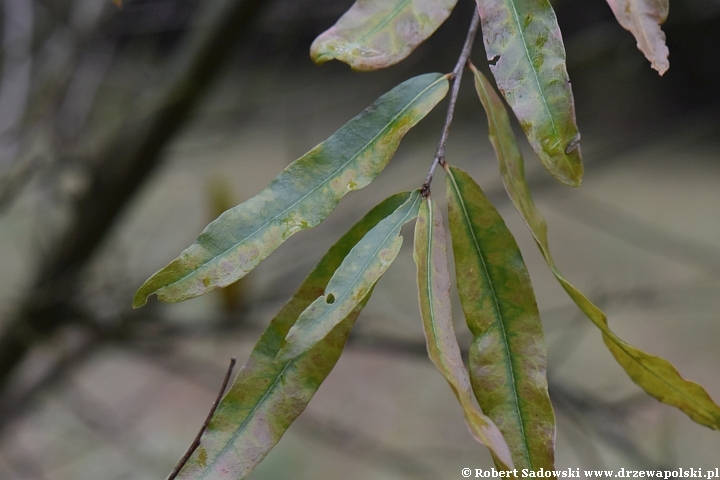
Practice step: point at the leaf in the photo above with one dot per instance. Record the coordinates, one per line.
(524, 46)
(300, 197)
(434, 290)
(357, 274)
(375, 34)
(655, 375)
(268, 395)
(643, 19)
(507, 356)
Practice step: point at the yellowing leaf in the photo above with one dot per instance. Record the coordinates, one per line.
(299, 198)
(655, 375)
(643, 19)
(354, 278)
(434, 291)
(375, 34)
(508, 365)
(267, 395)
(524, 46)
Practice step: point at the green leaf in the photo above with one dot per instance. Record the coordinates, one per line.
(268, 395)
(299, 198)
(507, 356)
(525, 48)
(375, 34)
(434, 290)
(654, 374)
(357, 274)
(643, 19)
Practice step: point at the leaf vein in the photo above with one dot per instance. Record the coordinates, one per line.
(384, 22)
(325, 181)
(517, 407)
(521, 33)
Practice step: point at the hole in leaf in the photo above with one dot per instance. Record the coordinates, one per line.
(330, 298)
(494, 60)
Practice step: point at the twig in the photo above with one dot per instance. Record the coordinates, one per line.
(196, 442)
(457, 76)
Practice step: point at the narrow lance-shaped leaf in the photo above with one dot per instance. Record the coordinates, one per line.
(654, 374)
(375, 34)
(434, 291)
(507, 356)
(357, 274)
(527, 56)
(300, 197)
(268, 395)
(643, 19)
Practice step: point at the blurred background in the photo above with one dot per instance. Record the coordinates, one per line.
(124, 131)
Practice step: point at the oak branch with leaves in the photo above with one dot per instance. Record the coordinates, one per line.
(506, 371)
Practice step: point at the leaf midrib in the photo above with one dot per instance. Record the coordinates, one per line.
(431, 297)
(245, 422)
(394, 230)
(384, 22)
(622, 345)
(271, 386)
(639, 25)
(428, 281)
(540, 90)
(333, 175)
(518, 410)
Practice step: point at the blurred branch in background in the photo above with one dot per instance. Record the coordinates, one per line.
(114, 177)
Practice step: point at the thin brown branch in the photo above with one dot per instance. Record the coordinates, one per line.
(457, 78)
(196, 442)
